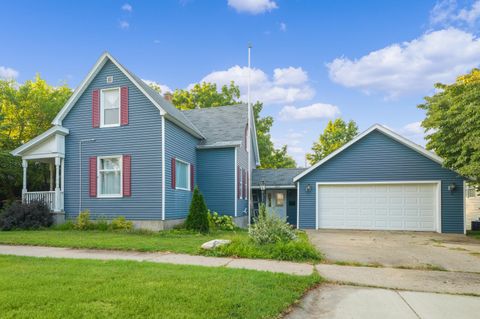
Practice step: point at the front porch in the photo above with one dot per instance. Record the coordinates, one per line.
(48, 149)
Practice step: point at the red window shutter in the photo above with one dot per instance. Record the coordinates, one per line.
(239, 178)
(192, 177)
(174, 183)
(93, 176)
(244, 184)
(124, 105)
(96, 108)
(127, 173)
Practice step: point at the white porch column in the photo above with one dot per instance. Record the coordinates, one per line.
(24, 188)
(57, 185)
(51, 176)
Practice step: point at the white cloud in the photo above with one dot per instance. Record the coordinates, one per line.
(447, 13)
(8, 73)
(124, 25)
(253, 6)
(290, 75)
(410, 67)
(414, 128)
(164, 88)
(127, 7)
(283, 26)
(314, 111)
(288, 84)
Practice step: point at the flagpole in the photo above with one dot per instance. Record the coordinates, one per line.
(249, 142)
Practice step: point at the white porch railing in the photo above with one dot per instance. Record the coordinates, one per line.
(46, 197)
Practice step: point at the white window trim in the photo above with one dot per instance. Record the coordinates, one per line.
(188, 175)
(99, 194)
(102, 107)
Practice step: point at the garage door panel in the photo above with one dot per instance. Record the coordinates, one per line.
(389, 206)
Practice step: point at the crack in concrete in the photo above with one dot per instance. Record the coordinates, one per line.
(409, 306)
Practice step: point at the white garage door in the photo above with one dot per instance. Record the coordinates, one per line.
(378, 206)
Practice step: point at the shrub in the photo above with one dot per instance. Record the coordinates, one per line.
(68, 225)
(198, 214)
(83, 221)
(219, 222)
(101, 224)
(121, 223)
(33, 215)
(268, 228)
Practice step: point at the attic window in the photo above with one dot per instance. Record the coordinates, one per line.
(110, 79)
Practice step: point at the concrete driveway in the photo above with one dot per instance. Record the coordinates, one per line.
(399, 249)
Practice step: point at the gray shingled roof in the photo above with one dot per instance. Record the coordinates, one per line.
(222, 125)
(275, 177)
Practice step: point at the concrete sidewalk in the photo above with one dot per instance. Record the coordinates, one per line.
(285, 267)
(339, 302)
(405, 279)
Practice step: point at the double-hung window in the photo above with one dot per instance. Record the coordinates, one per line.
(110, 107)
(182, 175)
(110, 176)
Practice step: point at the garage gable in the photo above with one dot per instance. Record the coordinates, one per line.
(381, 156)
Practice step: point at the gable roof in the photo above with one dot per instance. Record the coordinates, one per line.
(222, 126)
(38, 139)
(281, 177)
(165, 107)
(384, 130)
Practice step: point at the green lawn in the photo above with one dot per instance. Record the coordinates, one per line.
(66, 288)
(173, 241)
(474, 234)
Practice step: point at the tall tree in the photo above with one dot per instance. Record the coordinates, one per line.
(335, 135)
(452, 124)
(206, 94)
(26, 110)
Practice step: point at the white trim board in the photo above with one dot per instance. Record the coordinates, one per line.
(438, 208)
(381, 129)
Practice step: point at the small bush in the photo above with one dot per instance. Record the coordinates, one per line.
(33, 215)
(121, 223)
(198, 214)
(83, 221)
(101, 224)
(220, 222)
(268, 228)
(68, 225)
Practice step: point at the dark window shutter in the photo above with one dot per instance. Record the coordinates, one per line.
(174, 183)
(192, 177)
(244, 183)
(239, 178)
(124, 105)
(96, 108)
(127, 169)
(92, 173)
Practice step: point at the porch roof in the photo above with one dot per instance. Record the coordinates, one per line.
(50, 143)
(275, 178)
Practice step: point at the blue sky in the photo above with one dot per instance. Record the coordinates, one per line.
(370, 61)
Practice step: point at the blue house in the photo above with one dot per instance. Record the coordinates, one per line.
(118, 147)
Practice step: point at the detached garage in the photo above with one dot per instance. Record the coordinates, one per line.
(381, 181)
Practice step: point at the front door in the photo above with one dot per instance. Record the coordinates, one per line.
(276, 202)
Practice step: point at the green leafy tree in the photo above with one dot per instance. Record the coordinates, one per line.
(452, 124)
(204, 95)
(26, 110)
(335, 135)
(197, 218)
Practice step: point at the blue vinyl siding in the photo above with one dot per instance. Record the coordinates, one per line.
(141, 139)
(377, 157)
(216, 179)
(242, 161)
(181, 145)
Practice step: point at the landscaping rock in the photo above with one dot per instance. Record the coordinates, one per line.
(212, 244)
